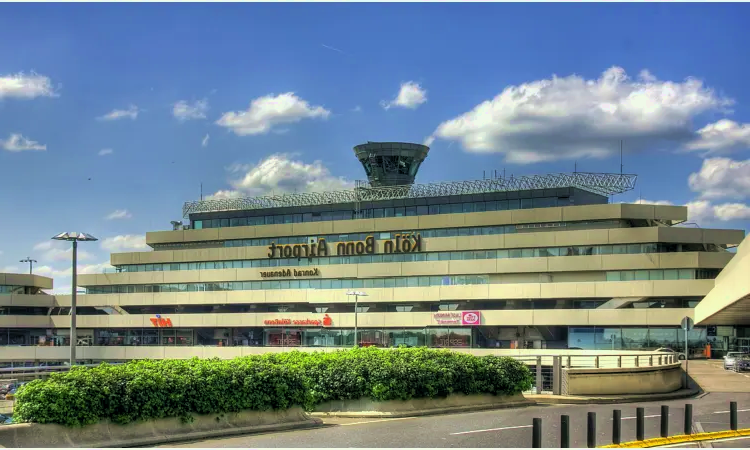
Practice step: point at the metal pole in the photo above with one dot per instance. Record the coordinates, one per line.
(591, 430)
(616, 416)
(356, 297)
(564, 431)
(688, 419)
(640, 424)
(73, 340)
(664, 421)
(687, 379)
(733, 412)
(536, 433)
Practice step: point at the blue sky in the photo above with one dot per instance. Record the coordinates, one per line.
(150, 82)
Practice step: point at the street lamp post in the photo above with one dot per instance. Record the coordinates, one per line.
(74, 237)
(30, 261)
(356, 295)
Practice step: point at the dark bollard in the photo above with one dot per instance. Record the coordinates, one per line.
(591, 430)
(688, 419)
(564, 431)
(733, 415)
(640, 421)
(664, 421)
(536, 433)
(616, 416)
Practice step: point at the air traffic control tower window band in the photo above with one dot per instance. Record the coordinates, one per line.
(541, 252)
(378, 213)
(391, 282)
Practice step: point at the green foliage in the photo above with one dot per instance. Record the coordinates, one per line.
(152, 389)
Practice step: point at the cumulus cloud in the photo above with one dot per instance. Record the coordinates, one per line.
(722, 178)
(18, 143)
(204, 142)
(53, 251)
(572, 117)
(9, 269)
(119, 214)
(269, 111)
(62, 277)
(106, 151)
(409, 96)
(280, 173)
(22, 86)
(117, 114)
(723, 136)
(123, 243)
(182, 110)
(642, 201)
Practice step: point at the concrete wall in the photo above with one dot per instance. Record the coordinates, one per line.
(23, 279)
(728, 303)
(627, 381)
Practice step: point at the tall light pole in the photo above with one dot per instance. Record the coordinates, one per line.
(30, 261)
(74, 237)
(356, 295)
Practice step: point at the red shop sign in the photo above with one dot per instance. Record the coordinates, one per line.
(161, 322)
(326, 322)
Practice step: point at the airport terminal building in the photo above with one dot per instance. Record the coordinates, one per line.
(542, 262)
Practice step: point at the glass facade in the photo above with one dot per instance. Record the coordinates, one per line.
(377, 213)
(540, 252)
(636, 338)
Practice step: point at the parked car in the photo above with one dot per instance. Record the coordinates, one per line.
(742, 360)
(680, 355)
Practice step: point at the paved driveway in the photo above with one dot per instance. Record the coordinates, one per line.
(711, 377)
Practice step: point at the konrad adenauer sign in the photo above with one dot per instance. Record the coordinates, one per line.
(404, 243)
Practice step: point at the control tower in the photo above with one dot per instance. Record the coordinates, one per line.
(391, 163)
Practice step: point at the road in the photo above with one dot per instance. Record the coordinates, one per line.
(499, 428)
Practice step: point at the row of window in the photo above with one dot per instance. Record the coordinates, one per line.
(662, 274)
(427, 233)
(543, 252)
(391, 282)
(12, 289)
(343, 308)
(378, 213)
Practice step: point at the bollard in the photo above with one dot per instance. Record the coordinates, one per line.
(639, 424)
(564, 431)
(733, 415)
(688, 419)
(664, 421)
(536, 433)
(591, 430)
(616, 416)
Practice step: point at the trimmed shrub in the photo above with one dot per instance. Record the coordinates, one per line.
(153, 389)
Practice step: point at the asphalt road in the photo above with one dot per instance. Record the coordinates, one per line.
(500, 428)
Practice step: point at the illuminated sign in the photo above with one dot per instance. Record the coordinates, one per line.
(457, 318)
(290, 273)
(161, 322)
(404, 243)
(326, 322)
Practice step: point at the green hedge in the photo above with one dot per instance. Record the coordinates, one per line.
(152, 389)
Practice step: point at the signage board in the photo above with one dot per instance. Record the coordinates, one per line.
(687, 323)
(161, 322)
(326, 322)
(403, 243)
(464, 318)
(284, 273)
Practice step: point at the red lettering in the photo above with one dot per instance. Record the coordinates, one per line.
(155, 321)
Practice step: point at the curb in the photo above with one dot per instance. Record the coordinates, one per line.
(680, 439)
(582, 400)
(419, 412)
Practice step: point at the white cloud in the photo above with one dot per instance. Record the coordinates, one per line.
(26, 87)
(642, 201)
(204, 142)
(279, 173)
(119, 214)
(428, 140)
(124, 242)
(182, 110)
(722, 178)
(53, 251)
(723, 136)
(62, 277)
(18, 143)
(269, 111)
(410, 96)
(571, 117)
(117, 114)
(106, 151)
(732, 211)
(357, 109)
(9, 269)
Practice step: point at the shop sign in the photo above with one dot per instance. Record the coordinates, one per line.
(161, 322)
(314, 272)
(326, 322)
(467, 318)
(404, 243)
